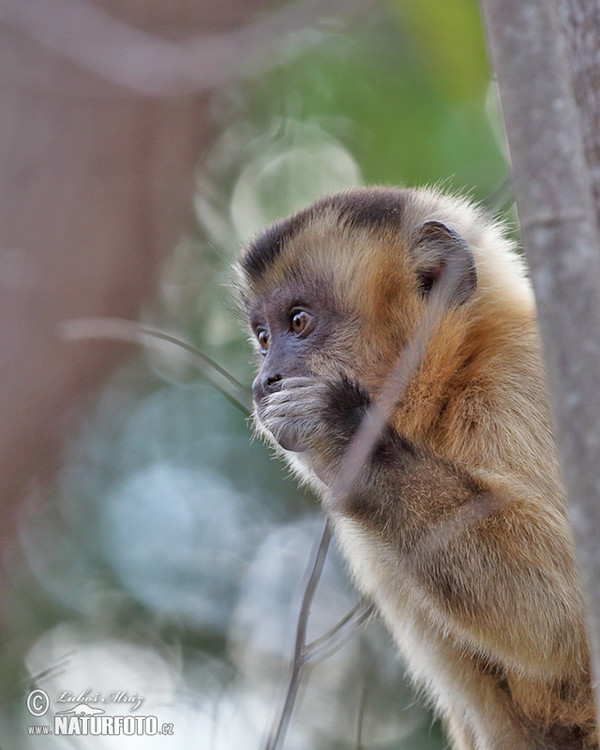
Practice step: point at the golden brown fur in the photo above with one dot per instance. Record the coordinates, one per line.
(466, 548)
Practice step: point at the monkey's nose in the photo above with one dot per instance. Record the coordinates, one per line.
(265, 384)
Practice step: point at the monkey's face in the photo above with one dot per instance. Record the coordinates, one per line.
(290, 327)
(301, 337)
(332, 296)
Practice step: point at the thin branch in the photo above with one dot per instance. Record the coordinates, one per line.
(153, 66)
(352, 464)
(118, 329)
(58, 667)
(357, 454)
(361, 719)
(313, 575)
(394, 386)
(340, 633)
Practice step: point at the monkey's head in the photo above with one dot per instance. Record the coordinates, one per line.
(338, 288)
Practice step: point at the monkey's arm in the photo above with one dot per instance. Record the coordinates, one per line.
(494, 563)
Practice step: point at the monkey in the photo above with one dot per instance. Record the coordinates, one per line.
(456, 524)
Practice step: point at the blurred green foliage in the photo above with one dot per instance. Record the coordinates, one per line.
(406, 95)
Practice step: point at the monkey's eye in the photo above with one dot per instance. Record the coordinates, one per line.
(300, 321)
(263, 338)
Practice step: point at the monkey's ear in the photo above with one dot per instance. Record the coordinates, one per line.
(439, 247)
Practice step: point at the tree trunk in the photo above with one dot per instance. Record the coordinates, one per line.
(548, 82)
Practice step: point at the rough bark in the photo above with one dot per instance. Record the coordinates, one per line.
(581, 25)
(550, 120)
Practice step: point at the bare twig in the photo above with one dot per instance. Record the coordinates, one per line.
(357, 454)
(313, 575)
(117, 329)
(320, 648)
(354, 459)
(59, 666)
(340, 633)
(362, 708)
(395, 384)
(152, 66)
(553, 190)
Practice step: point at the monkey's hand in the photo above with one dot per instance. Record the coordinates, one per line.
(314, 415)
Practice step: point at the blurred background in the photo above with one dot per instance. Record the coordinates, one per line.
(149, 545)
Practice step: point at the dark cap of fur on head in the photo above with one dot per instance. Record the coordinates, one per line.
(366, 208)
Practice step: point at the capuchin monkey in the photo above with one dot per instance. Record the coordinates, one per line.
(455, 525)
